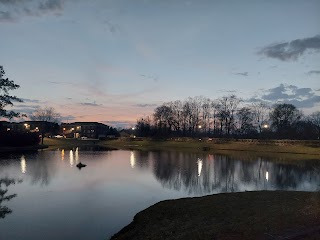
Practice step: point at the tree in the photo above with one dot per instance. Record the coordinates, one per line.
(245, 121)
(225, 111)
(143, 127)
(260, 112)
(5, 182)
(284, 117)
(315, 119)
(47, 114)
(7, 85)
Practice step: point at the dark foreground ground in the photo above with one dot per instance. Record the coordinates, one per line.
(248, 215)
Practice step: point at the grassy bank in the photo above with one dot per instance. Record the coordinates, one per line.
(249, 215)
(287, 150)
(296, 147)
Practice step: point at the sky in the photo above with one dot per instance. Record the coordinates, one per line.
(114, 61)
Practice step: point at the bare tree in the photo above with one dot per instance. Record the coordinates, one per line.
(315, 119)
(260, 112)
(48, 114)
(226, 109)
(245, 121)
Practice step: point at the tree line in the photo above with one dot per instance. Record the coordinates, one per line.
(228, 116)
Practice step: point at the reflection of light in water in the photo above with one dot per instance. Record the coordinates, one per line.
(23, 164)
(62, 154)
(76, 155)
(199, 162)
(71, 158)
(132, 160)
(267, 176)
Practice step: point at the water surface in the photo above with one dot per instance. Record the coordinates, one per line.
(56, 200)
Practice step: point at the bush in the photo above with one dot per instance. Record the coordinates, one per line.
(16, 139)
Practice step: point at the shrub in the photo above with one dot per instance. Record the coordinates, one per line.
(16, 139)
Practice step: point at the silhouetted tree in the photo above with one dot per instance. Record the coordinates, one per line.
(226, 109)
(260, 111)
(46, 114)
(143, 127)
(284, 117)
(245, 122)
(7, 85)
(4, 183)
(315, 119)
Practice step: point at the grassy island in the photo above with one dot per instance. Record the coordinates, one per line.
(248, 215)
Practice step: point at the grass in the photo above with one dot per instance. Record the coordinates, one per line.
(54, 143)
(297, 147)
(280, 150)
(248, 215)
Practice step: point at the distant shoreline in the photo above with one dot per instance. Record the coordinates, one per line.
(286, 149)
(22, 149)
(297, 148)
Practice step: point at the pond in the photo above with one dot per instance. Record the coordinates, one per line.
(49, 197)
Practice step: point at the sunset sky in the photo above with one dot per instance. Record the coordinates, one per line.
(114, 61)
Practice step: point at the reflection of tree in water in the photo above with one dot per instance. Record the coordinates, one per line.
(4, 197)
(143, 159)
(40, 169)
(221, 173)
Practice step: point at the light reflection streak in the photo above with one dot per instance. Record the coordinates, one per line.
(199, 163)
(76, 155)
(23, 164)
(62, 154)
(132, 159)
(71, 158)
(267, 176)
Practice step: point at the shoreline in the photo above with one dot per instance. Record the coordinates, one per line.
(286, 149)
(22, 149)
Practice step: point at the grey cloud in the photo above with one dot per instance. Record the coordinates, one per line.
(90, 104)
(314, 72)
(67, 118)
(276, 93)
(6, 16)
(151, 77)
(28, 106)
(24, 110)
(54, 82)
(11, 2)
(30, 100)
(287, 51)
(145, 105)
(227, 91)
(17, 9)
(119, 124)
(111, 27)
(300, 97)
(51, 5)
(242, 74)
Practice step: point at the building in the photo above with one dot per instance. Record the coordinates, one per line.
(86, 129)
(43, 127)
